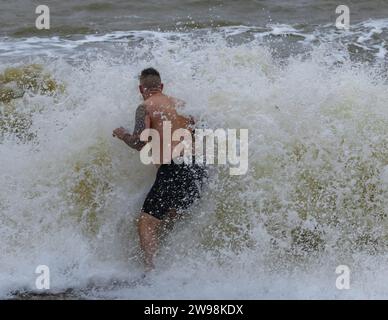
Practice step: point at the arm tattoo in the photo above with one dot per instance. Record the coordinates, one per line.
(140, 119)
(134, 140)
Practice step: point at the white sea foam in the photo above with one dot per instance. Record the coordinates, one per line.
(315, 195)
(362, 34)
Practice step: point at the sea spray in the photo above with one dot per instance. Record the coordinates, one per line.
(315, 195)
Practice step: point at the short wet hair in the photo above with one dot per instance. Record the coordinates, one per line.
(150, 78)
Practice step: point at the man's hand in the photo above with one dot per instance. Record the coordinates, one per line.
(120, 133)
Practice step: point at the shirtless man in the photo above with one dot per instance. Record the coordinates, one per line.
(176, 185)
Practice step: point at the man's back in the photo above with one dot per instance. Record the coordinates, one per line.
(161, 108)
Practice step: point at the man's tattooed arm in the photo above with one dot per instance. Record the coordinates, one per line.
(133, 140)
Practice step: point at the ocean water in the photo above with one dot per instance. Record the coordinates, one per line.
(314, 99)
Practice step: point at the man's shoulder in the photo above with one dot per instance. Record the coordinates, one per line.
(177, 102)
(167, 101)
(142, 107)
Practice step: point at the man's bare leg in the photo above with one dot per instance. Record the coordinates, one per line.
(148, 228)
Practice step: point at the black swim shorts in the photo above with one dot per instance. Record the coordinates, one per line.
(176, 187)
